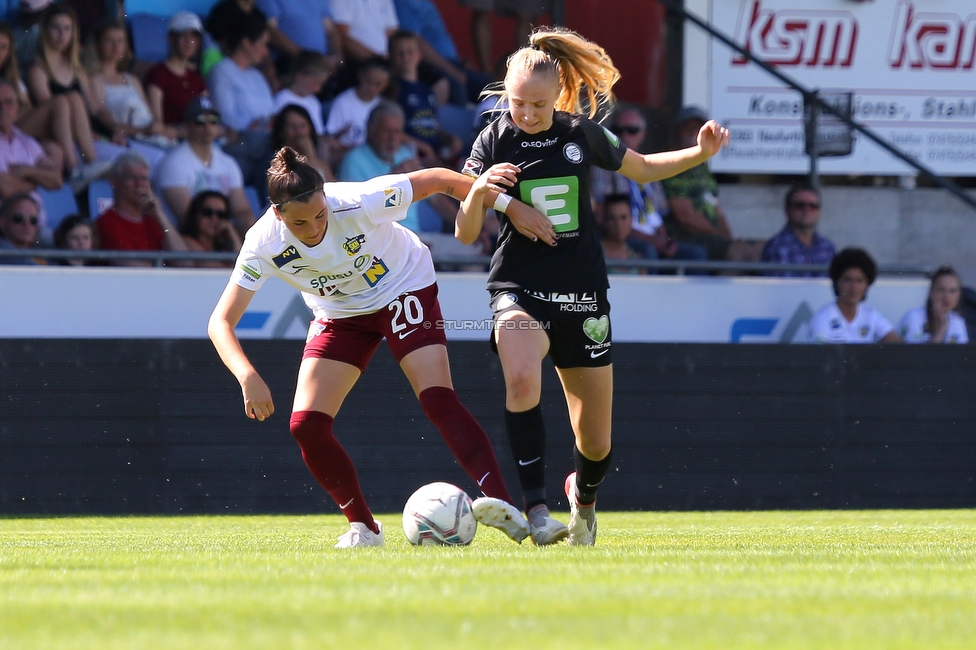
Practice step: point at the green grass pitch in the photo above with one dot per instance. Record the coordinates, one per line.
(849, 579)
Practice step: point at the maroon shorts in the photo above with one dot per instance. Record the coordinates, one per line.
(410, 322)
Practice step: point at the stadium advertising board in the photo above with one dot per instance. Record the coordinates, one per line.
(908, 63)
(59, 302)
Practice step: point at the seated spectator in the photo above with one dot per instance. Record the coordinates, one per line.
(75, 233)
(364, 28)
(617, 220)
(648, 202)
(798, 242)
(351, 108)
(525, 13)
(227, 23)
(245, 101)
(24, 166)
(40, 122)
(135, 222)
(119, 102)
(207, 228)
(308, 73)
(437, 46)
(199, 164)
(57, 77)
(18, 228)
(939, 320)
(696, 214)
(847, 320)
(293, 127)
(384, 152)
(296, 25)
(171, 85)
(435, 145)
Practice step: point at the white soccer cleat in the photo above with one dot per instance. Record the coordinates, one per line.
(501, 515)
(582, 519)
(359, 534)
(544, 529)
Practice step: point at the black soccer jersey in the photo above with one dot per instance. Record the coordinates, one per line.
(555, 180)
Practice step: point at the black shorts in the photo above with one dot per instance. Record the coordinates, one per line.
(578, 324)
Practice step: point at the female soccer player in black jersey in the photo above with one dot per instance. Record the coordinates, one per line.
(548, 282)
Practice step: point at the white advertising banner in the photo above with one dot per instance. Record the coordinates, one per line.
(908, 63)
(59, 302)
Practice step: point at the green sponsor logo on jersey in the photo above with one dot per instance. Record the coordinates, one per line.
(611, 136)
(556, 198)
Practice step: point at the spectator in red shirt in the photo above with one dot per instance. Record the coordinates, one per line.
(171, 84)
(135, 222)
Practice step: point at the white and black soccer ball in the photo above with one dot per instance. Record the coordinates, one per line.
(439, 514)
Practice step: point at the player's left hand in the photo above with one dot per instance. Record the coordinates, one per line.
(712, 137)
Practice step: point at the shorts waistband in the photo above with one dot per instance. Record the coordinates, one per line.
(553, 296)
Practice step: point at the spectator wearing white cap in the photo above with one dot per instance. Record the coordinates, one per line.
(171, 84)
(198, 165)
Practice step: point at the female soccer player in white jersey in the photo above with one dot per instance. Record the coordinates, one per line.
(364, 277)
(549, 292)
(847, 319)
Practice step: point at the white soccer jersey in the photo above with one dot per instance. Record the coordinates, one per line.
(828, 325)
(361, 265)
(912, 328)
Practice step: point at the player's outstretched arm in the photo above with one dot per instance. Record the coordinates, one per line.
(231, 306)
(491, 190)
(645, 168)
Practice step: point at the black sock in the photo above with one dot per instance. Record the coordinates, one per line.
(527, 438)
(589, 475)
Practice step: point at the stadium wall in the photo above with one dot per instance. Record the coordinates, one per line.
(102, 426)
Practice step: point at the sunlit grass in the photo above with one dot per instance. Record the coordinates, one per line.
(878, 579)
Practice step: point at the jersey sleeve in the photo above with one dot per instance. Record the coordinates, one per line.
(606, 148)
(385, 199)
(882, 326)
(250, 270)
(480, 157)
(820, 326)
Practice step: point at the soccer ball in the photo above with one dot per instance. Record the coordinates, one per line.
(439, 514)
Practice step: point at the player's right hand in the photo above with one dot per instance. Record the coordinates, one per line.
(257, 398)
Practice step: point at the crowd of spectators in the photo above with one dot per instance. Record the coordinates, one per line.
(357, 88)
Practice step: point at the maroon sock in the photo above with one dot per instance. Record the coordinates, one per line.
(467, 440)
(330, 464)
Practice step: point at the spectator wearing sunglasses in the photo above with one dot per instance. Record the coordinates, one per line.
(24, 164)
(648, 202)
(207, 228)
(18, 227)
(798, 242)
(199, 164)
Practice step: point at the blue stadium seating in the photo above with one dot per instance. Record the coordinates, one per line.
(458, 120)
(430, 221)
(58, 204)
(99, 197)
(258, 206)
(148, 37)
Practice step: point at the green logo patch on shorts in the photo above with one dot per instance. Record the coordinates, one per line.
(597, 328)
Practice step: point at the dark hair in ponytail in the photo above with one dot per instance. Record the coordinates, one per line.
(291, 178)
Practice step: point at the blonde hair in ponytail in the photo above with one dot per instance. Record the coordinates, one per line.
(583, 69)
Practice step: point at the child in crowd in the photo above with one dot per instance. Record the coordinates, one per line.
(435, 145)
(351, 108)
(308, 73)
